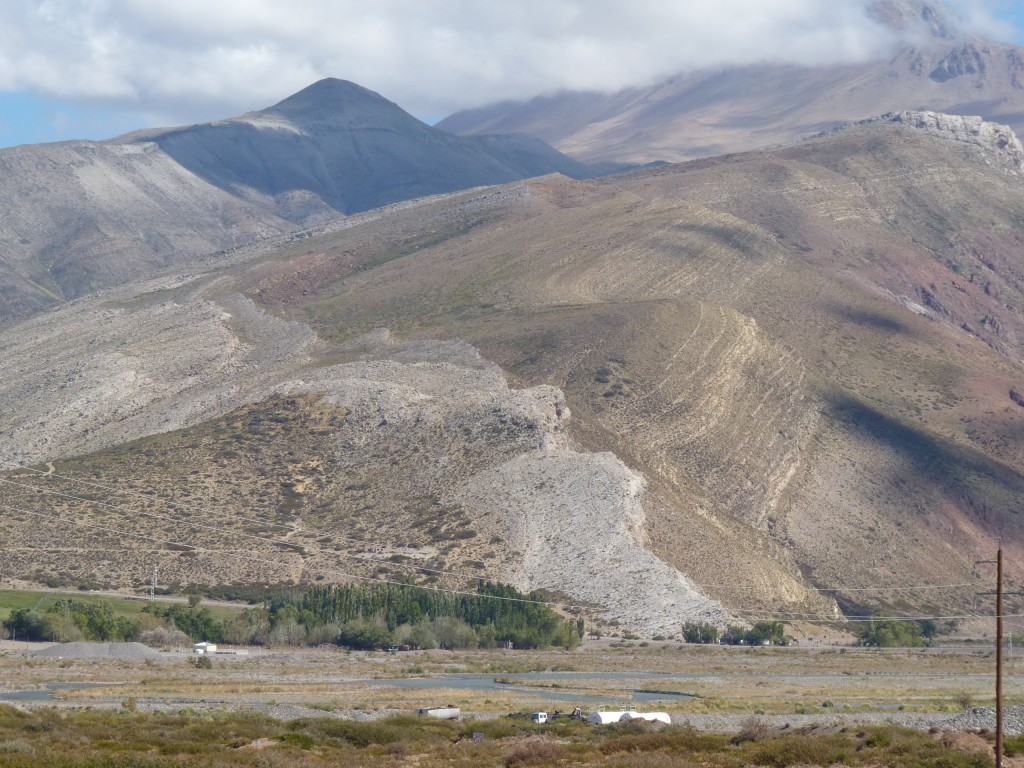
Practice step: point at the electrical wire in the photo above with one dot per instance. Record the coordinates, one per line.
(229, 532)
(370, 558)
(853, 589)
(265, 561)
(810, 617)
(817, 617)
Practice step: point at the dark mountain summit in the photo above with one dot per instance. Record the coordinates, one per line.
(339, 145)
(334, 99)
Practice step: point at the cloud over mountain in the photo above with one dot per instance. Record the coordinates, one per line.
(190, 60)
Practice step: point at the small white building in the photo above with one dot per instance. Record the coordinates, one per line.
(204, 647)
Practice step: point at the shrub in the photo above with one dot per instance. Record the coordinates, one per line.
(363, 635)
(638, 737)
(536, 753)
(700, 632)
(801, 749)
(753, 729)
(164, 636)
(300, 740)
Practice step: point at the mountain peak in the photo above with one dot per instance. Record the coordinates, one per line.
(331, 97)
(933, 19)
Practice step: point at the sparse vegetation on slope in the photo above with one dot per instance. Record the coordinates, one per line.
(765, 357)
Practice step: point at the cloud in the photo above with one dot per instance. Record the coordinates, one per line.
(188, 60)
(982, 17)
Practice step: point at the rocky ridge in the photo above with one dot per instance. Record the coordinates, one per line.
(966, 129)
(76, 217)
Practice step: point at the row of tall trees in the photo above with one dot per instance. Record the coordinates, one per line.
(511, 615)
(381, 614)
(70, 619)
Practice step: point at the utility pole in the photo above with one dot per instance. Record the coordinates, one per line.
(152, 582)
(999, 647)
(999, 655)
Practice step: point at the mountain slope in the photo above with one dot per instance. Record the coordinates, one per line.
(736, 381)
(719, 110)
(349, 149)
(79, 216)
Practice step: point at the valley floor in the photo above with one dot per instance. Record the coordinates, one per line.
(728, 705)
(707, 686)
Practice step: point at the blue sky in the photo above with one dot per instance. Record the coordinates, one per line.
(90, 70)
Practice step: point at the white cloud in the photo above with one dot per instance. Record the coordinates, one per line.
(981, 17)
(198, 59)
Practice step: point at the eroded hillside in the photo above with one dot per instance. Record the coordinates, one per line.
(784, 370)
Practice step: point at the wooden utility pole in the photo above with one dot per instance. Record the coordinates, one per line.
(999, 656)
(999, 650)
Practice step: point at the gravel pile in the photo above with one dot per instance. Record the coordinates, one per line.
(129, 651)
(985, 717)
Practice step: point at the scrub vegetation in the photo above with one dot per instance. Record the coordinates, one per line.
(90, 739)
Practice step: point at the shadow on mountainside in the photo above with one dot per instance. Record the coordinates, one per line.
(868, 318)
(990, 491)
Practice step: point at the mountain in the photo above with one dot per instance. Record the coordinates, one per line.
(80, 216)
(754, 386)
(730, 109)
(348, 149)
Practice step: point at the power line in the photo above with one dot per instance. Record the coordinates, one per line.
(265, 561)
(369, 557)
(229, 532)
(850, 589)
(842, 619)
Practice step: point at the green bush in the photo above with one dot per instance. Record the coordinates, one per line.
(363, 635)
(801, 749)
(700, 632)
(300, 740)
(893, 633)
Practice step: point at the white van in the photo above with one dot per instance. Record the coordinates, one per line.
(539, 717)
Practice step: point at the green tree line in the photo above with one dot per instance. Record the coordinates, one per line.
(761, 633)
(70, 619)
(351, 616)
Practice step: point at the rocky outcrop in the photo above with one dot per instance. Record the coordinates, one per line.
(963, 60)
(992, 137)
